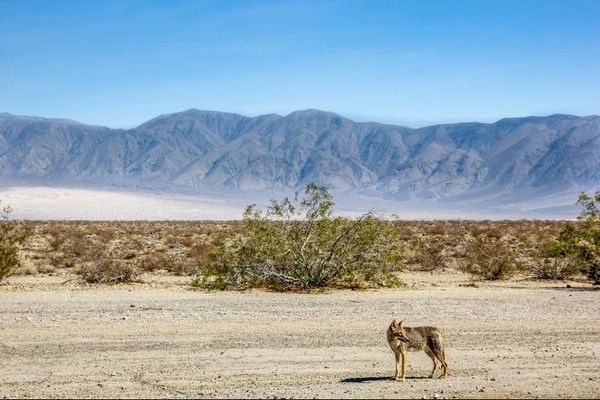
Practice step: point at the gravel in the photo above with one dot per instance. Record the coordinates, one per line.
(160, 339)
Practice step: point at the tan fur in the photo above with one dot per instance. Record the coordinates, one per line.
(427, 338)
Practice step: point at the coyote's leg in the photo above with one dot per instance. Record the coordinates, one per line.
(445, 365)
(436, 346)
(442, 357)
(397, 374)
(433, 358)
(403, 364)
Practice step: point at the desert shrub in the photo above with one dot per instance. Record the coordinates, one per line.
(201, 251)
(589, 236)
(172, 241)
(12, 234)
(86, 248)
(184, 267)
(153, 261)
(163, 261)
(582, 241)
(9, 255)
(28, 268)
(429, 255)
(107, 270)
(57, 236)
(297, 244)
(554, 260)
(489, 258)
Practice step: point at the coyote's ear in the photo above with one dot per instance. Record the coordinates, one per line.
(400, 324)
(394, 323)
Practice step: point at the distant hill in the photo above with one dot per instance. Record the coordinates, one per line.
(507, 161)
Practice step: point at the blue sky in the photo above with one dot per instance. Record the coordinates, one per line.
(414, 63)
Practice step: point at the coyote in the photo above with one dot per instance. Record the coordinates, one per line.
(426, 338)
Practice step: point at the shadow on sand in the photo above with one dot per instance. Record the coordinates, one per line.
(363, 379)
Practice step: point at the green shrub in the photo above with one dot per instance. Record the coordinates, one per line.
(582, 241)
(554, 260)
(297, 244)
(12, 234)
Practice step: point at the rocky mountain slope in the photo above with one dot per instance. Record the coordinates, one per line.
(216, 151)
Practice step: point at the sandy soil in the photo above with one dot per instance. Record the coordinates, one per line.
(161, 339)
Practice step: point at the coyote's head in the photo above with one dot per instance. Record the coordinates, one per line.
(397, 331)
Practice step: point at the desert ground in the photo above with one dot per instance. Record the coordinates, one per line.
(159, 338)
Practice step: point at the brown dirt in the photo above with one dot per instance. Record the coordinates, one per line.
(160, 339)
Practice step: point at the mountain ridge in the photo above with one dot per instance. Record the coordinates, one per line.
(196, 150)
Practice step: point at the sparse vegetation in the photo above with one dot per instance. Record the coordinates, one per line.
(544, 249)
(120, 251)
(60, 247)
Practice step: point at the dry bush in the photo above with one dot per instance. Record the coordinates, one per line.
(489, 258)
(59, 260)
(184, 267)
(84, 247)
(28, 268)
(429, 255)
(202, 251)
(57, 235)
(106, 234)
(107, 270)
(161, 261)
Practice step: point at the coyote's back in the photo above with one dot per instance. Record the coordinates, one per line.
(427, 338)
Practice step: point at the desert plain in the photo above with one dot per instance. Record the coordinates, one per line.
(161, 339)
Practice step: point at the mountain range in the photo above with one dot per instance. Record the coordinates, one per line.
(510, 161)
